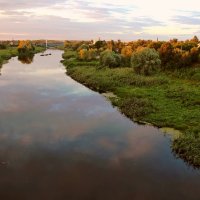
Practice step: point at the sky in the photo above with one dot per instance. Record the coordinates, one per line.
(106, 19)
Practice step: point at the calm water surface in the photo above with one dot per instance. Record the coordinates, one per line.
(62, 141)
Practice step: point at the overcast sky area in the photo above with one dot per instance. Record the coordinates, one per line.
(107, 19)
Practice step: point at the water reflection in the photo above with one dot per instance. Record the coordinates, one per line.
(59, 140)
(26, 58)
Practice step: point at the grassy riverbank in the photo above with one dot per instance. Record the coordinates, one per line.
(164, 100)
(6, 54)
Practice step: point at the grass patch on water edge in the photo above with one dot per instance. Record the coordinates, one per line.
(6, 54)
(164, 100)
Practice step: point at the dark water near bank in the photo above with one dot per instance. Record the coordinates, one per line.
(60, 140)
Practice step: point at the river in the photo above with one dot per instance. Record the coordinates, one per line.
(61, 141)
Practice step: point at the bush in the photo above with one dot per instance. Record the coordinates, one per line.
(83, 46)
(2, 46)
(110, 59)
(182, 59)
(92, 54)
(125, 61)
(87, 55)
(194, 54)
(145, 61)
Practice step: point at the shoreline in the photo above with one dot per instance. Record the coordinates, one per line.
(7, 54)
(185, 145)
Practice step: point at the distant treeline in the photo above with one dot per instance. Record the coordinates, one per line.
(154, 81)
(24, 49)
(42, 43)
(165, 55)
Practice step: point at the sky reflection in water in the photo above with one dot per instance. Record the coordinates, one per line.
(60, 140)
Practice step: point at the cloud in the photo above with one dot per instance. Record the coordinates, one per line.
(19, 4)
(189, 20)
(78, 19)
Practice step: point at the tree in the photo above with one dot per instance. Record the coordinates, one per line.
(127, 51)
(188, 45)
(67, 44)
(119, 46)
(155, 45)
(83, 54)
(87, 55)
(83, 46)
(140, 43)
(25, 46)
(184, 60)
(166, 52)
(92, 54)
(110, 59)
(145, 60)
(194, 54)
(111, 45)
(99, 44)
(173, 41)
(195, 39)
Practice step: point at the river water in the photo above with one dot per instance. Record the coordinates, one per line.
(61, 141)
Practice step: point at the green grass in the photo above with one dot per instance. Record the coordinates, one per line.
(164, 100)
(192, 73)
(39, 49)
(69, 54)
(6, 54)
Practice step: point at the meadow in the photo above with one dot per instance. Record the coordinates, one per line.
(166, 98)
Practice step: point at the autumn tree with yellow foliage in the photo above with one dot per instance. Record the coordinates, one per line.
(126, 53)
(25, 46)
(26, 51)
(87, 55)
(83, 54)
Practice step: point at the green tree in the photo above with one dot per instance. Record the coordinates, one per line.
(92, 54)
(145, 61)
(110, 59)
(155, 45)
(100, 44)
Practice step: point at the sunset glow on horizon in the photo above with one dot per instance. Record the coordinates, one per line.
(90, 19)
